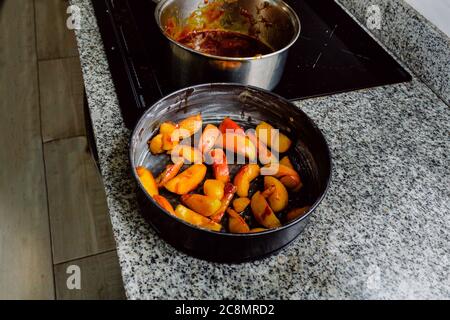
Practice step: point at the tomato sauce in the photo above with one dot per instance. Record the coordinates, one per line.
(225, 44)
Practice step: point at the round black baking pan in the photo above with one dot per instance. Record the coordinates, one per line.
(247, 106)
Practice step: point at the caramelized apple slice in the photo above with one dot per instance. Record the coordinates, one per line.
(284, 143)
(196, 219)
(169, 141)
(169, 173)
(272, 138)
(263, 213)
(264, 155)
(238, 144)
(243, 178)
(241, 204)
(156, 144)
(285, 161)
(147, 180)
(204, 205)
(189, 126)
(188, 180)
(278, 199)
(237, 224)
(289, 177)
(208, 138)
(214, 188)
(164, 203)
(167, 127)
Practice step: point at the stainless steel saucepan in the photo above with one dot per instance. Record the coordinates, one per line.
(271, 21)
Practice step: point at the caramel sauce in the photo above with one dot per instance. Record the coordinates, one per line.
(225, 44)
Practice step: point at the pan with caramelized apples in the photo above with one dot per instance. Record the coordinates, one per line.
(228, 173)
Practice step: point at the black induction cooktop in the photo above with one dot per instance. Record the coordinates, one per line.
(333, 54)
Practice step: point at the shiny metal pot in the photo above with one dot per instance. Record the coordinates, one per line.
(272, 21)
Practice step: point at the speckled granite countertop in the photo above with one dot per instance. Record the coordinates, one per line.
(383, 231)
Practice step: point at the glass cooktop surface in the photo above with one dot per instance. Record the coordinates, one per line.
(333, 54)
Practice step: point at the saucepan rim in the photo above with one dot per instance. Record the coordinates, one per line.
(284, 6)
(135, 134)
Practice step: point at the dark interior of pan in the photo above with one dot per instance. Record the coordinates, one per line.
(247, 106)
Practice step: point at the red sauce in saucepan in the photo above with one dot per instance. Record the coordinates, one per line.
(225, 44)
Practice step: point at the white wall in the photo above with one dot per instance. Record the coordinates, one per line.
(437, 11)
